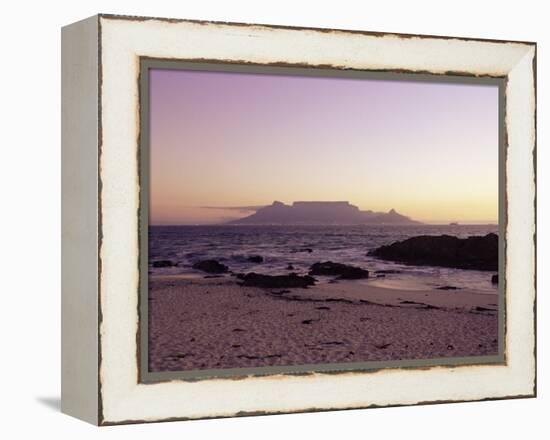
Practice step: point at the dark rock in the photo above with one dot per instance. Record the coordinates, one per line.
(388, 271)
(494, 279)
(256, 259)
(447, 288)
(279, 292)
(420, 305)
(210, 266)
(290, 267)
(483, 309)
(342, 300)
(429, 307)
(478, 252)
(164, 263)
(276, 281)
(308, 250)
(343, 271)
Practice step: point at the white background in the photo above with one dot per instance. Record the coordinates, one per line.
(30, 217)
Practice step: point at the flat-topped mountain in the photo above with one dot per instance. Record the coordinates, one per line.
(323, 213)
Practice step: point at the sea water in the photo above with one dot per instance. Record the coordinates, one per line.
(301, 246)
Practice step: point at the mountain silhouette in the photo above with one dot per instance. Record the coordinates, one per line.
(322, 213)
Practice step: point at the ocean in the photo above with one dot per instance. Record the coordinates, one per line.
(301, 246)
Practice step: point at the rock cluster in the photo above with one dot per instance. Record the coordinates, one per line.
(210, 266)
(276, 281)
(477, 252)
(342, 271)
(164, 263)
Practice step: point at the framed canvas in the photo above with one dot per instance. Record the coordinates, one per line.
(264, 219)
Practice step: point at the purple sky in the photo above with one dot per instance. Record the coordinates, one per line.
(428, 150)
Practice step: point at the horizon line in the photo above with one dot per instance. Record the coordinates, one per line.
(421, 223)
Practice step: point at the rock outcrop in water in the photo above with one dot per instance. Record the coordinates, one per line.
(276, 281)
(164, 263)
(321, 213)
(342, 271)
(478, 252)
(210, 266)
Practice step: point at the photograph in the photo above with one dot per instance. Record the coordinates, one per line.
(311, 219)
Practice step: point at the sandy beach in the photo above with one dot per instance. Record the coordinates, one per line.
(212, 323)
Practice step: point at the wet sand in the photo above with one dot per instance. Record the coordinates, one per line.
(215, 323)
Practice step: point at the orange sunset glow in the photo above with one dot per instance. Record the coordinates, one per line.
(222, 144)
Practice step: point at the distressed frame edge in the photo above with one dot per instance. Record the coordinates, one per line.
(104, 422)
(125, 17)
(535, 274)
(532, 52)
(314, 410)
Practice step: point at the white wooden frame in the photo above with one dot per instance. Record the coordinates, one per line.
(101, 202)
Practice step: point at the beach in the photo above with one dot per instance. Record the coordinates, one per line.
(198, 323)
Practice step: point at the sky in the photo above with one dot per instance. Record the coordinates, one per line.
(218, 139)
